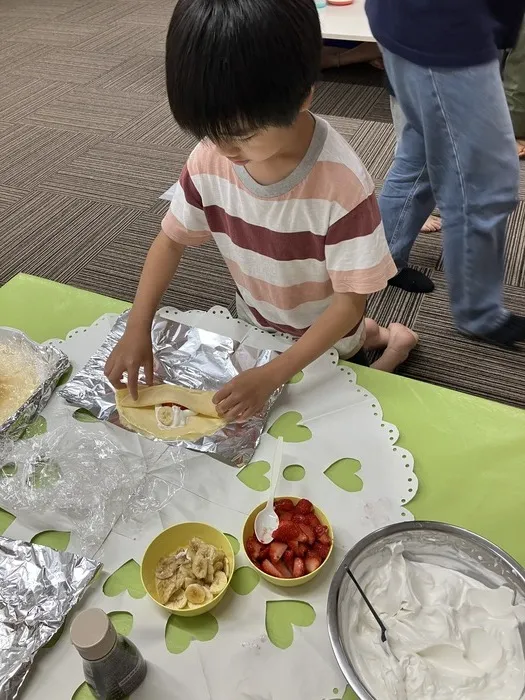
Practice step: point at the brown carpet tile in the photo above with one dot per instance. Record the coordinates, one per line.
(88, 144)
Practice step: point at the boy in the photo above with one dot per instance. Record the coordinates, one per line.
(285, 198)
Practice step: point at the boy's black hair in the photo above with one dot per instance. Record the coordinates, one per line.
(236, 66)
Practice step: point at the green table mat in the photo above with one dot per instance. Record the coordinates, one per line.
(468, 452)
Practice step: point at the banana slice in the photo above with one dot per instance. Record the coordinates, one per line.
(196, 594)
(178, 601)
(220, 582)
(199, 565)
(210, 574)
(189, 580)
(195, 544)
(209, 597)
(218, 556)
(227, 567)
(218, 566)
(166, 567)
(166, 587)
(165, 416)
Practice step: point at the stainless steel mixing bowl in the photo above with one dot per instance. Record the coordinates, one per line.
(430, 542)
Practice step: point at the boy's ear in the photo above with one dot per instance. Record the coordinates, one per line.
(308, 102)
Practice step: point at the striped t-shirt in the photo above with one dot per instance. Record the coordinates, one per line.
(289, 246)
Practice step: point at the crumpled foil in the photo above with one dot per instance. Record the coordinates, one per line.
(54, 364)
(38, 587)
(186, 356)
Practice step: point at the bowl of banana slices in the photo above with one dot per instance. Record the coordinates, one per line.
(188, 568)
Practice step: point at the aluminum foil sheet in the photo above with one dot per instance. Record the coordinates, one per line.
(186, 356)
(38, 587)
(51, 363)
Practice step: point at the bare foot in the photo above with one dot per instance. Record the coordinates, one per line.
(401, 342)
(376, 337)
(335, 57)
(432, 224)
(520, 145)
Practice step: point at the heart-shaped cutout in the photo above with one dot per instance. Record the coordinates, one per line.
(253, 476)
(288, 427)
(282, 615)
(125, 578)
(343, 474)
(65, 377)
(84, 416)
(234, 542)
(122, 621)
(5, 520)
(36, 427)
(83, 692)
(181, 631)
(296, 378)
(294, 472)
(244, 580)
(55, 539)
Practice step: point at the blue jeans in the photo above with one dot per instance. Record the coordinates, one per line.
(457, 149)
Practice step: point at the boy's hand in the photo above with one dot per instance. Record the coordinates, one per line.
(132, 352)
(245, 395)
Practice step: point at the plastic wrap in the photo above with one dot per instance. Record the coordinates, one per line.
(28, 375)
(80, 479)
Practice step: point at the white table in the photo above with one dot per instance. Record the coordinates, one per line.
(345, 22)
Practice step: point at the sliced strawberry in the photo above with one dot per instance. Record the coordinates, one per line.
(270, 568)
(283, 504)
(276, 551)
(286, 532)
(324, 539)
(264, 552)
(312, 562)
(312, 520)
(303, 537)
(308, 531)
(298, 567)
(321, 533)
(300, 519)
(283, 569)
(288, 557)
(322, 550)
(304, 507)
(298, 548)
(285, 516)
(253, 548)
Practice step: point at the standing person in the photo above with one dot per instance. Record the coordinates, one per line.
(283, 195)
(514, 82)
(457, 149)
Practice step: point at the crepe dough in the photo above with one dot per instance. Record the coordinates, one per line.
(140, 415)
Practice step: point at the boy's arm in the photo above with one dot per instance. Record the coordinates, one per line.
(134, 349)
(249, 391)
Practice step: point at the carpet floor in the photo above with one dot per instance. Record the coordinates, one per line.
(87, 146)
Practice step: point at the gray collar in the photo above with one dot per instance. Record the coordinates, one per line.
(296, 176)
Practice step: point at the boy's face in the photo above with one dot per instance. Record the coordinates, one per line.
(255, 147)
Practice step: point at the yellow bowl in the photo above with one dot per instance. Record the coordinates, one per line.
(248, 531)
(179, 536)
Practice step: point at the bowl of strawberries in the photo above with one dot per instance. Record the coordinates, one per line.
(302, 543)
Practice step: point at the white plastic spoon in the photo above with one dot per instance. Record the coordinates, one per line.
(267, 520)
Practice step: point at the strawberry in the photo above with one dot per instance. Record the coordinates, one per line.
(283, 569)
(312, 520)
(253, 548)
(276, 551)
(308, 532)
(321, 549)
(285, 516)
(269, 568)
(283, 504)
(286, 532)
(298, 567)
(304, 507)
(288, 557)
(312, 562)
(321, 533)
(300, 519)
(298, 548)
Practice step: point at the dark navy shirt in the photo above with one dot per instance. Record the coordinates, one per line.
(446, 32)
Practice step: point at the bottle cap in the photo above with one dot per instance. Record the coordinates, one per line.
(92, 634)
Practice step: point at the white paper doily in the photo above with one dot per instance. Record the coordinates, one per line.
(240, 661)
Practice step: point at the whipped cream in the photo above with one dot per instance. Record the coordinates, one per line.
(450, 637)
